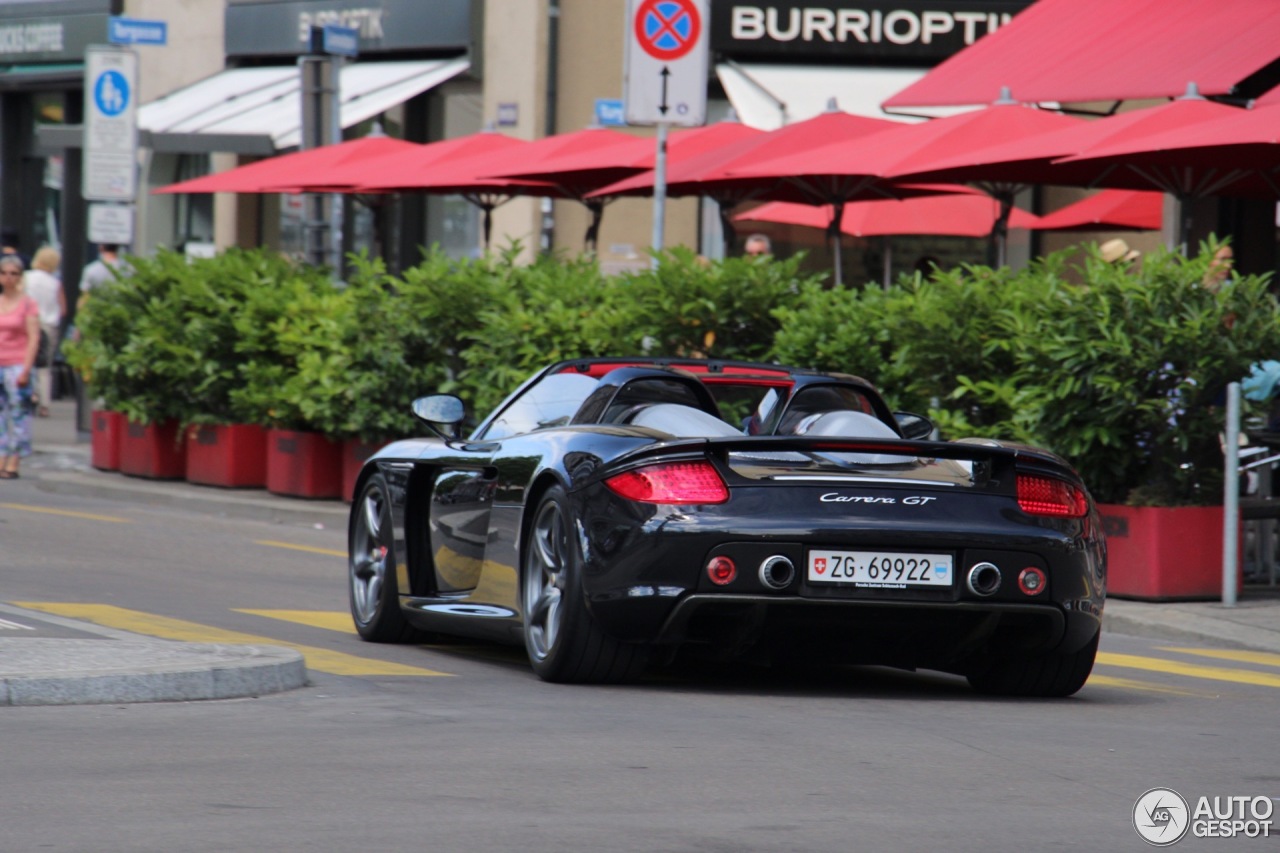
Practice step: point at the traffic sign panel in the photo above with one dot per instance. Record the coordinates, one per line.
(110, 127)
(666, 57)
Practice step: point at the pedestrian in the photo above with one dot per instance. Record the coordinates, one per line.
(1117, 252)
(1219, 267)
(43, 285)
(19, 339)
(101, 270)
(758, 244)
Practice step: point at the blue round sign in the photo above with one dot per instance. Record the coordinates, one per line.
(111, 93)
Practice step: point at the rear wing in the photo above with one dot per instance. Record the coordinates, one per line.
(991, 455)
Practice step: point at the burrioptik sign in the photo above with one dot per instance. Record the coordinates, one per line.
(851, 29)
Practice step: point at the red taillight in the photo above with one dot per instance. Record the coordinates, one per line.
(671, 483)
(1049, 496)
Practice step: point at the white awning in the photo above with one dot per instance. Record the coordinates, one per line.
(769, 96)
(259, 110)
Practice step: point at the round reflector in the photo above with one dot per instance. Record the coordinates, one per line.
(1031, 581)
(721, 570)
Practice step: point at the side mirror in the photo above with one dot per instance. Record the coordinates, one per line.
(913, 426)
(442, 413)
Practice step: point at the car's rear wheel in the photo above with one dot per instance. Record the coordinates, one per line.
(375, 604)
(1047, 675)
(562, 639)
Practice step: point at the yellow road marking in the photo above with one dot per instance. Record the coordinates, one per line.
(1191, 670)
(311, 548)
(321, 660)
(1096, 680)
(68, 513)
(330, 620)
(1262, 658)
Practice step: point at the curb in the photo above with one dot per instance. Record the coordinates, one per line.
(255, 505)
(89, 672)
(1181, 626)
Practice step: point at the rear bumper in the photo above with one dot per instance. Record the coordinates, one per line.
(908, 633)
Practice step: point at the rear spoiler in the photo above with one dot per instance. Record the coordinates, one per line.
(970, 451)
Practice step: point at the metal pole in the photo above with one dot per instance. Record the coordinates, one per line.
(659, 194)
(1231, 497)
(334, 137)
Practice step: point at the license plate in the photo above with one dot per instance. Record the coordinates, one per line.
(881, 569)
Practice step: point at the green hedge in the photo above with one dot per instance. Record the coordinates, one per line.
(1121, 372)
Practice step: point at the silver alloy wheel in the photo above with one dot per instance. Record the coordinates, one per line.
(368, 559)
(544, 579)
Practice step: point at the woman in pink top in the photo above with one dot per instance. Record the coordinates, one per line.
(19, 339)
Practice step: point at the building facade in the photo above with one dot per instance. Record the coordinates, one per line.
(223, 90)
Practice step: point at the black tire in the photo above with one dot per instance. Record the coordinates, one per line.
(563, 641)
(371, 570)
(1053, 674)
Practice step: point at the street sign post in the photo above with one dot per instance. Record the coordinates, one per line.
(111, 124)
(664, 79)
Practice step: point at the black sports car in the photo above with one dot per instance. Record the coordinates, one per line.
(611, 511)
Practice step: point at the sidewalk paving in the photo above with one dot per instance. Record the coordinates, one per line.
(99, 665)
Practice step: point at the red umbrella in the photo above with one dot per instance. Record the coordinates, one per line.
(881, 159)
(1108, 210)
(713, 173)
(288, 172)
(579, 161)
(1041, 159)
(572, 165)
(1235, 153)
(406, 165)
(460, 171)
(614, 163)
(968, 215)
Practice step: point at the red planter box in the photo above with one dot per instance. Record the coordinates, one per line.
(107, 427)
(354, 454)
(233, 455)
(303, 464)
(152, 450)
(1164, 553)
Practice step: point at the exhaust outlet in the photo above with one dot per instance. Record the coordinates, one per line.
(777, 572)
(983, 579)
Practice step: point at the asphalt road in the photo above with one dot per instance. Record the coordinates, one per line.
(461, 748)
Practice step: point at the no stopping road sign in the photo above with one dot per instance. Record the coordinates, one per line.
(665, 70)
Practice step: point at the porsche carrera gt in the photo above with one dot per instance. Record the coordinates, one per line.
(614, 510)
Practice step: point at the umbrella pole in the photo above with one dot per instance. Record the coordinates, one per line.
(888, 261)
(726, 227)
(596, 207)
(1184, 223)
(1001, 230)
(833, 230)
(488, 224)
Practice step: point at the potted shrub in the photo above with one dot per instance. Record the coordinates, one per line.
(1142, 361)
(224, 446)
(1120, 371)
(296, 374)
(130, 350)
